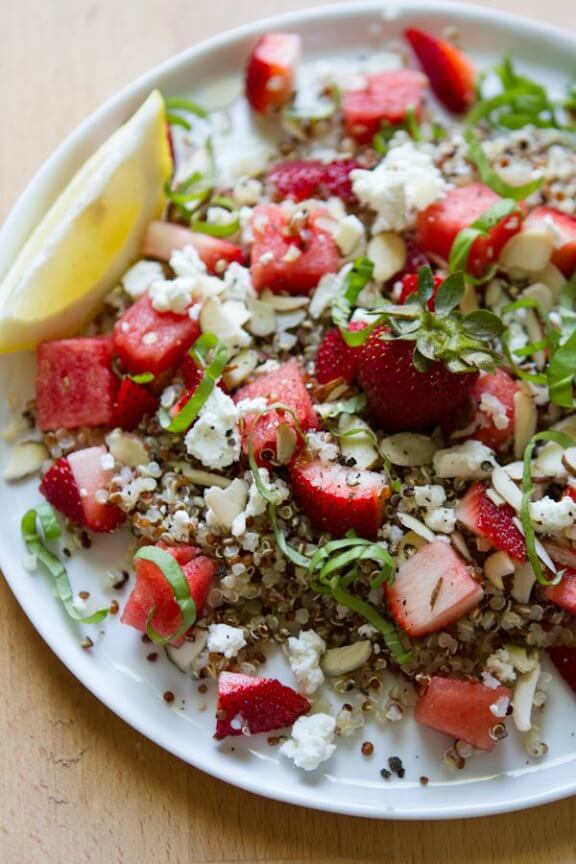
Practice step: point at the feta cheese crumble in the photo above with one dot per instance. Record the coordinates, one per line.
(311, 742)
(214, 439)
(138, 279)
(304, 655)
(226, 640)
(550, 517)
(321, 445)
(172, 295)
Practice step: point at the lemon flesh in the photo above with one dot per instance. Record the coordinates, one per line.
(90, 235)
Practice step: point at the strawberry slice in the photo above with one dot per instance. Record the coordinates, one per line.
(75, 384)
(309, 178)
(410, 287)
(153, 591)
(481, 516)
(432, 589)
(72, 485)
(255, 704)
(438, 225)
(564, 659)
(386, 97)
(452, 75)
(163, 238)
(493, 397)
(336, 359)
(564, 594)
(339, 499)
(563, 227)
(271, 71)
(134, 403)
(288, 260)
(461, 709)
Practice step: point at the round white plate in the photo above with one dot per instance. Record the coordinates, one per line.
(116, 670)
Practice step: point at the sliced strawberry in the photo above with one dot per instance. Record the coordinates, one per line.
(386, 97)
(75, 384)
(432, 589)
(461, 709)
(564, 594)
(410, 287)
(563, 228)
(438, 225)
(452, 75)
(150, 341)
(163, 238)
(493, 398)
(271, 71)
(255, 704)
(338, 499)
(294, 262)
(60, 488)
(134, 403)
(481, 516)
(336, 359)
(309, 178)
(153, 591)
(564, 659)
(285, 385)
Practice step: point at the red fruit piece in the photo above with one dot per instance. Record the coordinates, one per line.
(400, 397)
(461, 709)
(338, 499)
(564, 594)
(258, 704)
(285, 385)
(271, 71)
(438, 225)
(291, 262)
(481, 516)
(563, 228)
(163, 238)
(564, 659)
(452, 75)
(310, 178)
(493, 397)
(153, 591)
(60, 488)
(386, 97)
(134, 403)
(150, 341)
(410, 287)
(336, 359)
(75, 384)
(432, 589)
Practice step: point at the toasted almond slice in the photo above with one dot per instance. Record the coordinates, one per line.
(127, 449)
(542, 294)
(290, 320)
(348, 658)
(569, 461)
(417, 526)
(263, 320)
(25, 459)
(529, 250)
(357, 446)
(524, 693)
(387, 251)
(506, 488)
(186, 655)
(496, 566)
(408, 449)
(240, 367)
(525, 421)
(227, 504)
(282, 302)
(199, 477)
(523, 582)
(286, 440)
(408, 543)
(551, 276)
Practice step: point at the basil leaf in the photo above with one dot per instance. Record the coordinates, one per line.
(190, 411)
(561, 371)
(491, 178)
(143, 378)
(176, 120)
(179, 104)
(449, 294)
(353, 283)
(369, 613)
(175, 577)
(288, 551)
(481, 227)
(214, 230)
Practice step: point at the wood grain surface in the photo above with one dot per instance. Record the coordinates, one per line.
(76, 784)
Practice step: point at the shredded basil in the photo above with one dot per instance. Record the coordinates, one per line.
(491, 178)
(176, 120)
(143, 378)
(481, 227)
(214, 230)
(353, 283)
(176, 103)
(206, 343)
(175, 577)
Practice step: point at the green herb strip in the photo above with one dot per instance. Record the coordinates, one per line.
(44, 516)
(491, 178)
(176, 103)
(143, 378)
(354, 282)
(199, 351)
(214, 230)
(175, 577)
(466, 238)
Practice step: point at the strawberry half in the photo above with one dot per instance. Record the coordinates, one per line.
(336, 359)
(134, 403)
(432, 589)
(309, 178)
(452, 76)
(60, 488)
(271, 71)
(564, 594)
(256, 704)
(563, 227)
(493, 398)
(339, 499)
(481, 516)
(564, 659)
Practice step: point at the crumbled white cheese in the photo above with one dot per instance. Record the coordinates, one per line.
(277, 491)
(311, 742)
(500, 666)
(348, 233)
(138, 279)
(471, 460)
(429, 496)
(237, 283)
(321, 445)
(186, 262)
(225, 321)
(247, 192)
(179, 525)
(220, 216)
(172, 295)
(494, 410)
(404, 182)
(226, 640)
(107, 461)
(441, 519)
(304, 655)
(214, 439)
(550, 517)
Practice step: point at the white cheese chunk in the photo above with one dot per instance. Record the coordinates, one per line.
(311, 742)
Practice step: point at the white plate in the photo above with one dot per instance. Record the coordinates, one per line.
(116, 670)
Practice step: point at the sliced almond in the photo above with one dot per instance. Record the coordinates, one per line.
(515, 471)
(236, 311)
(523, 700)
(186, 655)
(286, 440)
(240, 368)
(496, 566)
(529, 250)
(506, 488)
(227, 504)
(25, 459)
(348, 658)
(523, 582)
(408, 543)
(569, 460)
(356, 442)
(408, 449)
(263, 320)
(551, 276)
(387, 251)
(525, 421)
(549, 460)
(199, 477)
(290, 320)
(282, 302)
(222, 319)
(127, 449)
(542, 294)
(417, 526)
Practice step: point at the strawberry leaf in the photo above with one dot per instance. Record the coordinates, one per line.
(483, 324)
(425, 286)
(449, 294)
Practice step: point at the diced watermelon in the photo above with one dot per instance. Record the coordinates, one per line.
(386, 97)
(75, 384)
(294, 262)
(438, 225)
(257, 704)
(432, 589)
(563, 228)
(91, 477)
(339, 499)
(564, 659)
(481, 516)
(336, 359)
(150, 341)
(271, 71)
(461, 709)
(285, 385)
(153, 591)
(564, 594)
(493, 397)
(163, 238)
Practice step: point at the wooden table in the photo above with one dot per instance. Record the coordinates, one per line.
(77, 784)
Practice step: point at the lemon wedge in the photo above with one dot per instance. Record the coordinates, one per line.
(90, 235)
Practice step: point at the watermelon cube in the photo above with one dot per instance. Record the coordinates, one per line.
(387, 97)
(564, 594)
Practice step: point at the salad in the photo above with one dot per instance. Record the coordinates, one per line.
(330, 398)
